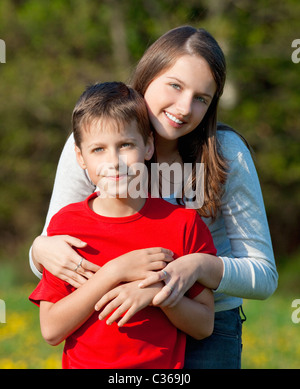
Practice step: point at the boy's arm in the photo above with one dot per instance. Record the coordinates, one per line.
(58, 320)
(195, 316)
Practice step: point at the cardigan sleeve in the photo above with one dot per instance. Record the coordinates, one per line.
(250, 270)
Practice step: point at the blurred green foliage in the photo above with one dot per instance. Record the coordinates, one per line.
(55, 48)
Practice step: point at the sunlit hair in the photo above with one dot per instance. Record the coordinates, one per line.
(110, 101)
(200, 145)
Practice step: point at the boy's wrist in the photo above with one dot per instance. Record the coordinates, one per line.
(112, 271)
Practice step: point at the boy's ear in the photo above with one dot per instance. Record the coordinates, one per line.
(79, 157)
(149, 148)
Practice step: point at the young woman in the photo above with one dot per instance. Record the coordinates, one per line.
(181, 77)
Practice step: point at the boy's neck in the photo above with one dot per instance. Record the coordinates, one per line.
(116, 207)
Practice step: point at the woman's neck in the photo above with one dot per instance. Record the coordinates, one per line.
(166, 150)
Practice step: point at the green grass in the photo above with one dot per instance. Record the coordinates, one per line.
(21, 343)
(270, 339)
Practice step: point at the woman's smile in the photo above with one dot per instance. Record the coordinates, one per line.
(174, 120)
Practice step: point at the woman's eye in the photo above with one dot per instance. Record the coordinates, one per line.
(201, 99)
(175, 86)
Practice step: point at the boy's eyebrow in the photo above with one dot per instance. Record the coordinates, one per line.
(181, 82)
(122, 140)
(95, 144)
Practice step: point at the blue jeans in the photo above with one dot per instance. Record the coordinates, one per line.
(221, 350)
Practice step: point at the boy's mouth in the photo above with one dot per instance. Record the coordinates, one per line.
(116, 177)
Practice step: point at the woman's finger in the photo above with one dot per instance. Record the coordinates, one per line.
(153, 279)
(75, 242)
(86, 268)
(162, 295)
(74, 279)
(89, 266)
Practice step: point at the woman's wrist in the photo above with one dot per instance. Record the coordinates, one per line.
(209, 270)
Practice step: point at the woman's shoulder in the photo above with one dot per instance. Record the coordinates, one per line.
(231, 143)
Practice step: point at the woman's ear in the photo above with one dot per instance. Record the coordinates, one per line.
(149, 148)
(79, 157)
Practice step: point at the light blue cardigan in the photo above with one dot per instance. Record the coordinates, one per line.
(240, 233)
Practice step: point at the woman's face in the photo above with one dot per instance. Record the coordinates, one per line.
(178, 98)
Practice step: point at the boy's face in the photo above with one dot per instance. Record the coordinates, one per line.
(112, 155)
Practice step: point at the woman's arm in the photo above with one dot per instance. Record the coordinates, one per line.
(250, 271)
(71, 185)
(181, 275)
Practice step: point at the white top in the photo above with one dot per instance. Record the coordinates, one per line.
(240, 233)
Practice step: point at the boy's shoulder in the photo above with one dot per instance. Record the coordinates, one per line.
(70, 215)
(70, 208)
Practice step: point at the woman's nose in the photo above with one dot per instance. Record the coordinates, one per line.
(184, 105)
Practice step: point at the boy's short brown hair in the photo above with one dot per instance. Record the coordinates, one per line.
(112, 101)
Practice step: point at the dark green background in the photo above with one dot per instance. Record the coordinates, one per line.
(55, 48)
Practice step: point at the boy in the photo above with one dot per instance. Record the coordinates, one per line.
(112, 131)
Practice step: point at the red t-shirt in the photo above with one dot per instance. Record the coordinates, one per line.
(149, 339)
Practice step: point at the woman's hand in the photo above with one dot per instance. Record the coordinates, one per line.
(126, 297)
(57, 255)
(139, 264)
(180, 275)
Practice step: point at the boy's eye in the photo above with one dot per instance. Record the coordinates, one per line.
(97, 149)
(126, 145)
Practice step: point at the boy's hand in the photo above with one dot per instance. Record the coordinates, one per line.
(139, 264)
(127, 297)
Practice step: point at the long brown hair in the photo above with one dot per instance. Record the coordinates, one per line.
(200, 145)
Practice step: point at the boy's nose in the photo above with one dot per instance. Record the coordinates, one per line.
(114, 159)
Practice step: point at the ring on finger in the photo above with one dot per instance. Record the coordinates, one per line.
(79, 264)
(165, 273)
(171, 287)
